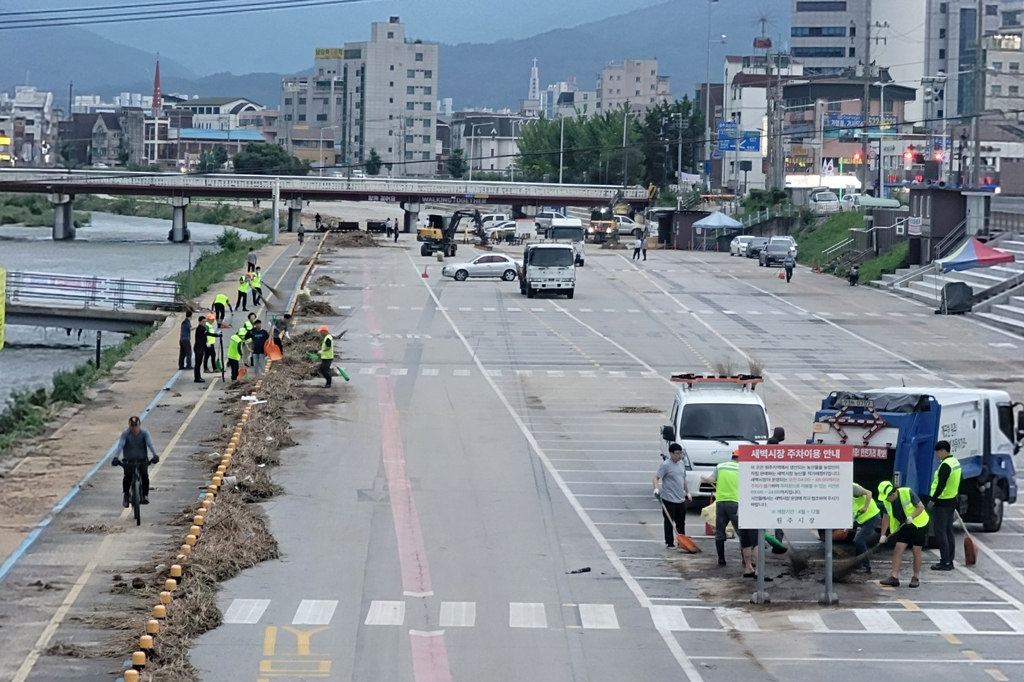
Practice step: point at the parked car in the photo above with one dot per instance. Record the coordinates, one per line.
(755, 245)
(738, 246)
(824, 202)
(785, 239)
(773, 254)
(627, 227)
(851, 201)
(488, 265)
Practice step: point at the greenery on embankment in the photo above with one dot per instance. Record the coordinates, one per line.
(212, 266)
(812, 244)
(29, 411)
(254, 220)
(32, 210)
(888, 262)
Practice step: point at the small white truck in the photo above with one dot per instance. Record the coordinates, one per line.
(548, 267)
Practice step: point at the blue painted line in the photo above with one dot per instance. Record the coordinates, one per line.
(38, 530)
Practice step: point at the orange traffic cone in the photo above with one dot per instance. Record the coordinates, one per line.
(425, 275)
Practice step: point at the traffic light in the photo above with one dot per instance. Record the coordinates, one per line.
(937, 155)
(857, 157)
(908, 155)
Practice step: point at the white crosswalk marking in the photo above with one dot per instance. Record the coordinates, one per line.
(876, 620)
(1015, 619)
(246, 611)
(598, 617)
(632, 310)
(494, 372)
(458, 614)
(609, 310)
(430, 372)
(586, 373)
(556, 373)
(753, 312)
(465, 310)
(538, 310)
(897, 314)
(735, 619)
(808, 621)
(949, 621)
(524, 372)
(777, 377)
(526, 615)
(514, 310)
(386, 613)
(462, 372)
(729, 312)
(393, 307)
(806, 377)
(344, 307)
(839, 377)
(616, 374)
(669, 618)
(490, 310)
(314, 612)
(368, 370)
(868, 377)
(586, 310)
(399, 371)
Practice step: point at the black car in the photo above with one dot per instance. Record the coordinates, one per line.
(773, 254)
(755, 246)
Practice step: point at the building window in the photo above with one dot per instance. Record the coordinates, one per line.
(492, 153)
(821, 7)
(426, 139)
(408, 139)
(408, 155)
(390, 150)
(302, 117)
(638, 79)
(942, 34)
(392, 68)
(939, 113)
(302, 100)
(426, 123)
(942, 53)
(426, 156)
(1015, 66)
(411, 73)
(408, 123)
(835, 105)
(991, 10)
(818, 31)
(428, 74)
(853, 52)
(391, 100)
(887, 105)
(818, 52)
(287, 117)
(321, 117)
(427, 106)
(997, 90)
(853, 31)
(1014, 91)
(391, 35)
(942, 8)
(287, 101)
(427, 90)
(391, 133)
(410, 90)
(419, 56)
(997, 66)
(410, 105)
(339, 100)
(391, 84)
(638, 92)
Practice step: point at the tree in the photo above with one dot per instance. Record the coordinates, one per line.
(68, 154)
(220, 156)
(457, 164)
(374, 163)
(123, 155)
(268, 159)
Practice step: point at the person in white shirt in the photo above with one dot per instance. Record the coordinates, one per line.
(637, 245)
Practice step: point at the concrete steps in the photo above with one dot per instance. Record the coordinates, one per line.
(928, 289)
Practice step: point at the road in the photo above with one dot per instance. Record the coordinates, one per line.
(489, 445)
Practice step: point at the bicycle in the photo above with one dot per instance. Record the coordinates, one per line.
(135, 491)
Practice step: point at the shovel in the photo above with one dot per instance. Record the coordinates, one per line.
(683, 540)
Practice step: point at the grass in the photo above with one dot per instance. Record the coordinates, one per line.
(888, 262)
(32, 210)
(255, 220)
(837, 228)
(213, 265)
(29, 411)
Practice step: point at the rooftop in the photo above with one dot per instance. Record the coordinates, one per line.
(207, 134)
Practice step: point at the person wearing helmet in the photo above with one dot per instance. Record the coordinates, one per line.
(326, 354)
(907, 525)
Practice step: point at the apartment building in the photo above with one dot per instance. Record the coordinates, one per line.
(635, 82)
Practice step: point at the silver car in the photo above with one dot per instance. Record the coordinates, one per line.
(488, 265)
(738, 246)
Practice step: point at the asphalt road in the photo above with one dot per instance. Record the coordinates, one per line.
(483, 451)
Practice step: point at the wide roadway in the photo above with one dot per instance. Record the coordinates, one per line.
(489, 445)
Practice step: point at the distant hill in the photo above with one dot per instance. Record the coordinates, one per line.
(264, 88)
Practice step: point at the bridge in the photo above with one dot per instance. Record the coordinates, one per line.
(61, 186)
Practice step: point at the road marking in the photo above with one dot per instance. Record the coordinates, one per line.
(430, 372)
(393, 307)
(996, 675)
(315, 612)
(494, 372)
(1015, 619)
(806, 377)
(972, 655)
(951, 639)
(669, 618)
(876, 620)
(838, 377)
(735, 619)
(462, 372)
(368, 370)
(586, 310)
(949, 621)
(269, 640)
(429, 656)
(609, 310)
(386, 613)
(514, 310)
(632, 310)
(399, 372)
(458, 614)
(868, 377)
(526, 615)
(908, 605)
(466, 310)
(490, 310)
(524, 372)
(556, 373)
(598, 617)
(616, 374)
(246, 611)
(538, 310)
(808, 621)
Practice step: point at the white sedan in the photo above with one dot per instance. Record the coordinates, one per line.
(738, 246)
(488, 265)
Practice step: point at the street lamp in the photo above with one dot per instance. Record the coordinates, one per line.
(881, 136)
(472, 132)
(707, 98)
(321, 153)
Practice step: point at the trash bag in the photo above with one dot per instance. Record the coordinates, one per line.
(710, 515)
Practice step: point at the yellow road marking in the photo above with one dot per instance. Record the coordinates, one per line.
(950, 638)
(972, 655)
(58, 617)
(303, 637)
(909, 605)
(269, 640)
(997, 675)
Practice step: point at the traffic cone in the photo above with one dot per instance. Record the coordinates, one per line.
(425, 275)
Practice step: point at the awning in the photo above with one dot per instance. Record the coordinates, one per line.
(973, 254)
(719, 220)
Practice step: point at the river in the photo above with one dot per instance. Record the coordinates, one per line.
(112, 246)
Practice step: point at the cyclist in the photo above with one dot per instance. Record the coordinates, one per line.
(132, 447)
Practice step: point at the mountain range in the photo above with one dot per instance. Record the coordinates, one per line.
(478, 75)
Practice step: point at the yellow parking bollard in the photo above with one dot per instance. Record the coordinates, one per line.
(160, 611)
(170, 584)
(146, 643)
(152, 627)
(176, 570)
(139, 659)
(195, 530)
(131, 676)
(165, 598)
(190, 540)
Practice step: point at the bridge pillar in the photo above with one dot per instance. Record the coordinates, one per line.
(63, 216)
(179, 223)
(294, 214)
(412, 212)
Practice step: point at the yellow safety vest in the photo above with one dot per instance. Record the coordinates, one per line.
(243, 285)
(727, 482)
(908, 508)
(234, 348)
(211, 329)
(327, 352)
(256, 280)
(246, 328)
(872, 511)
(952, 483)
(222, 299)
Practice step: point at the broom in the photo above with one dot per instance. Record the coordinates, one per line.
(970, 549)
(844, 567)
(683, 540)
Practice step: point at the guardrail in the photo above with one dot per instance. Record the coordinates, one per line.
(950, 241)
(787, 211)
(293, 184)
(840, 248)
(90, 292)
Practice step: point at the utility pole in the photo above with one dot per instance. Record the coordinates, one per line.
(772, 149)
(625, 150)
(71, 97)
(679, 153)
(865, 104)
(561, 151)
(979, 95)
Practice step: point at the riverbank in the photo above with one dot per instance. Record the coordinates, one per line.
(32, 210)
(219, 213)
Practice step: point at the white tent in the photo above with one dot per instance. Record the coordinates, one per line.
(718, 220)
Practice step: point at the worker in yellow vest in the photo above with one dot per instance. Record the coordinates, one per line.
(726, 479)
(245, 331)
(221, 304)
(866, 517)
(234, 355)
(942, 504)
(257, 283)
(243, 293)
(211, 344)
(907, 524)
(326, 354)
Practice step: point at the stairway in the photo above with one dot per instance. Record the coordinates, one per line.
(928, 289)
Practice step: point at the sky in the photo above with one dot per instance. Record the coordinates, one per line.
(283, 41)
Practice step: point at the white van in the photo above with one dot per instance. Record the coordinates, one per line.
(711, 417)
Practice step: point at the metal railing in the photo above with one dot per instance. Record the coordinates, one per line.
(839, 248)
(90, 292)
(383, 187)
(763, 216)
(950, 241)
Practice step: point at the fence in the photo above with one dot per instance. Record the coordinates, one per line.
(90, 292)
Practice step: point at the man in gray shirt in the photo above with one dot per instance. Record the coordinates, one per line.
(132, 447)
(670, 487)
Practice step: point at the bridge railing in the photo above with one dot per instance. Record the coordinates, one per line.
(383, 187)
(90, 292)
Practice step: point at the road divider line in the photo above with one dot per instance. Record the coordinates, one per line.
(689, 669)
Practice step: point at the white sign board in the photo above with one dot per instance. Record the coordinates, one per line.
(796, 486)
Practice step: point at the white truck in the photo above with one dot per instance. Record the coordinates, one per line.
(569, 231)
(710, 417)
(548, 267)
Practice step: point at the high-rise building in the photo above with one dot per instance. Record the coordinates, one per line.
(374, 95)
(634, 81)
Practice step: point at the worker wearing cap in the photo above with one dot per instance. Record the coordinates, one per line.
(211, 343)
(243, 293)
(234, 355)
(245, 331)
(942, 504)
(326, 354)
(726, 479)
(908, 525)
(866, 517)
(257, 283)
(221, 305)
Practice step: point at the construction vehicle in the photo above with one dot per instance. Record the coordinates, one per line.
(894, 432)
(439, 235)
(603, 226)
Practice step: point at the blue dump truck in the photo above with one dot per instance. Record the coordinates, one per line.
(894, 432)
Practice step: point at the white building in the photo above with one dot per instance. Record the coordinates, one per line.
(94, 104)
(489, 140)
(1004, 76)
(218, 113)
(634, 81)
(35, 107)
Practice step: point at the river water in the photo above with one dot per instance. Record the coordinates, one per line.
(112, 246)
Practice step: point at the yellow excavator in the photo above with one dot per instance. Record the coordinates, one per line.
(439, 235)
